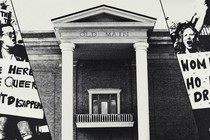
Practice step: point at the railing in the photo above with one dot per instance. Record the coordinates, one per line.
(104, 118)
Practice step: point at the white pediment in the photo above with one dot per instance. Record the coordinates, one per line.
(103, 13)
(103, 24)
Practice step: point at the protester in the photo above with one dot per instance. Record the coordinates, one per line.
(10, 50)
(186, 39)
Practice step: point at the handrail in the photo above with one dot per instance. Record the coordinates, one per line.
(104, 118)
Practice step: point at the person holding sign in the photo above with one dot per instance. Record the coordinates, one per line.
(191, 41)
(9, 49)
(16, 120)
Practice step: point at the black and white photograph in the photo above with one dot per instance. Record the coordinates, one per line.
(188, 24)
(106, 70)
(21, 111)
(89, 60)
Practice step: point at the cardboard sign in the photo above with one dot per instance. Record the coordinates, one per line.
(195, 69)
(18, 91)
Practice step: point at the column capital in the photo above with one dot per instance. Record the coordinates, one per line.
(67, 46)
(141, 46)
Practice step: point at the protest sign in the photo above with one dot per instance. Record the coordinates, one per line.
(190, 37)
(18, 91)
(20, 105)
(195, 70)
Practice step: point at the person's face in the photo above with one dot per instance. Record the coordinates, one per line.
(188, 38)
(8, 36)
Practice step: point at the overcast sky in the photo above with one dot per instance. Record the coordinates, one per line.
(179, 10)
(37, 14)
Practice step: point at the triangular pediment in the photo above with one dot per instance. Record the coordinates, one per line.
(104, 17)
(103, 13)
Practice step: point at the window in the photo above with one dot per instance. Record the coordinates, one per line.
(104, 101)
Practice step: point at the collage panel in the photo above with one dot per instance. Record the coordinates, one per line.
(188, 23)
(21, 111)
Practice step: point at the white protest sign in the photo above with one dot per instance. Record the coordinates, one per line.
(18, 92)
(195, 69)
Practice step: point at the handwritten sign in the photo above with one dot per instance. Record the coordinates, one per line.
(18, 91)
(195, 69)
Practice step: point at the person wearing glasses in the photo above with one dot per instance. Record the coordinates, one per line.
(10, 50)
(13, 127)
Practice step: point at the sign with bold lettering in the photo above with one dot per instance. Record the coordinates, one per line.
(195, 70)
(18, 91)
(21, 111)
(191, 41)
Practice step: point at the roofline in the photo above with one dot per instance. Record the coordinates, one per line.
(99, 7)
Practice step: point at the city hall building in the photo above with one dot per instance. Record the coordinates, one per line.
(105, 74)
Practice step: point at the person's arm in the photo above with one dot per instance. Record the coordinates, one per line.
(199, 17)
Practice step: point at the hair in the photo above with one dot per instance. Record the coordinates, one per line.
(207, 2)
(4, 25)
(179, 46)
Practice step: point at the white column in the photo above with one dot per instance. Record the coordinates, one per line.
(142, 90)
(67, 90)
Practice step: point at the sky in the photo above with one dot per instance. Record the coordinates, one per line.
(37, 14)
(180, 10)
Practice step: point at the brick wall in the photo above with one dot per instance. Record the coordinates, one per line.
(104, 74)
(171, 115)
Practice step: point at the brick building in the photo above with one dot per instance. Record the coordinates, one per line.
(103, 84)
